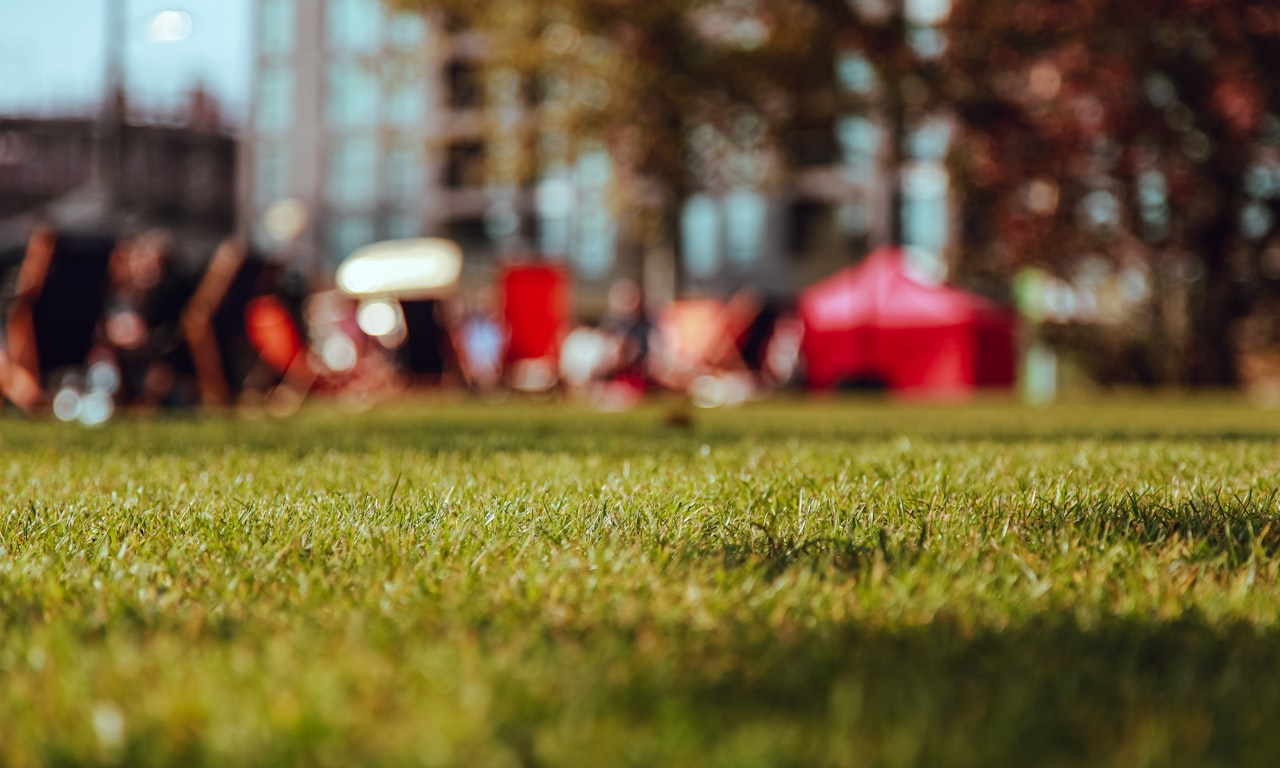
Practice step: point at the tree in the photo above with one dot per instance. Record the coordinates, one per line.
(1136, 130)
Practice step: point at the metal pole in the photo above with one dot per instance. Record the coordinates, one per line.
(896, 119)
(114, 109)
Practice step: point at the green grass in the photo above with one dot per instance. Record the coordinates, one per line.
(790, 584)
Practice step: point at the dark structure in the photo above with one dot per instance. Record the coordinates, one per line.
(180, 177)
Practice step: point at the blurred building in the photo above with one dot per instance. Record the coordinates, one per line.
(336, 137)
(368, 124)
(179, 175)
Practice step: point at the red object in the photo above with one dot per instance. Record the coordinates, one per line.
(695, 333)
(535, 310)
(272, 332)
(873, 322)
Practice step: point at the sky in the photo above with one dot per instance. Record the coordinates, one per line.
(53, 55)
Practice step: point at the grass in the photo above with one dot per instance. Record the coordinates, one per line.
(835, 583)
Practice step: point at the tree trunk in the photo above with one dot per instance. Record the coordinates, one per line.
(661, 278)
(1218, 300)
(1215, 308)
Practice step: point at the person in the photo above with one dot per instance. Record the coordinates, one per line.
(142, 325)
(752, 322)
(482, 346)
(232, 320)
(10, 264)
(58, 298)
(627, 327)
(427, 355)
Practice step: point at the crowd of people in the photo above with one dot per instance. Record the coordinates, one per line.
(93, 324)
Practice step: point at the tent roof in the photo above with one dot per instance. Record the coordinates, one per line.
(881, 292)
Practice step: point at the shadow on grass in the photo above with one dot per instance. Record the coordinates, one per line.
(1231, 530)
(758, 546)
(1049, 691)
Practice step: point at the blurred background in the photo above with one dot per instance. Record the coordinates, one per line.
(725, 198)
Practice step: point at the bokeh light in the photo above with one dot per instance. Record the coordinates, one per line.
(169, 27)
(418, 267)
(379, 317)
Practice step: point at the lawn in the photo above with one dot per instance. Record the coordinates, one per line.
(833, 583)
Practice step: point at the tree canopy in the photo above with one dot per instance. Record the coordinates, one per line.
(1128, 131)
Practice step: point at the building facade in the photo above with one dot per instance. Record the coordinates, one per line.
(368, 124)
(178, 176)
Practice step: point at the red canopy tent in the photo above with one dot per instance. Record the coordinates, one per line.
(875, 322)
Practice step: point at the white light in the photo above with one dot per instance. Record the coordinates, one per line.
(103, 377)
(169, 27)
(339, 353)
(707, 392)
(412, 268)
(95, 408)
(928, 12)
(378, 318)
(66, 404)
(108, 725)
(285, 219)
(533, 375)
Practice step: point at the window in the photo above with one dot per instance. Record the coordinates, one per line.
(813, 144)
(502, 221)
(744, 218)
(928, 42)
(277, 27)
(924, 205)
(924, 187)
(859, 140)
(594, 236)
(463, 78)
(404, 172)
(700, 236)
(406, 100)
(554, 235)
(855, 74)
(595, 244)
(406, 30)
(927, 12)
(464, 168)
(275, 100)
(555, 200)
(402, 224)
(924, 223)
(930, 141)
(347, 232)
(352, 96)
(351, 26)
(468, 232)
(854, 219)
(924, 33)
(270, 173)
(595, 169)
(353, 172)
(810, 227)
